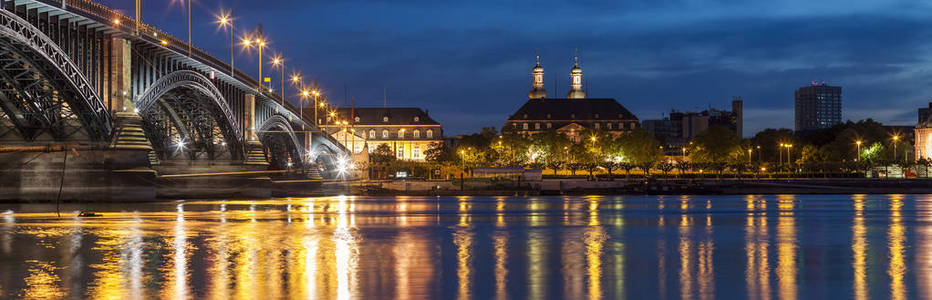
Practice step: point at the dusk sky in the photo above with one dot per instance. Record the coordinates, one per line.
(469, 62)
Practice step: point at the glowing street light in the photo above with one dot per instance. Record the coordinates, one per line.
(224, 20)
(896, 138)
(858, 157)
(260, 44)
(278, 61)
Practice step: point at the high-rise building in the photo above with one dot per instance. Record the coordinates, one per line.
(818, 106)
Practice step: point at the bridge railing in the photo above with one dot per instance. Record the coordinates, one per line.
(128, 25)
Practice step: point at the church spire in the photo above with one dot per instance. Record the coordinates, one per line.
(537, 82)
(576, 91)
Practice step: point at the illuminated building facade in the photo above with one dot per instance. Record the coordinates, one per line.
(408, 131)
(923, 134)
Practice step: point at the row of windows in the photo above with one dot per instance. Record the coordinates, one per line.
(573, 116)
(401, 133)
(609, 126)
(385, 119)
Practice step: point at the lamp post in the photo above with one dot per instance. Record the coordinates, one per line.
(304, 95)
(780, 151)
(895, 139)
(789, 154)
(259, 43)
(189, 26)
(224, 20)
(858, 156)
(316, 97)
(749, 155)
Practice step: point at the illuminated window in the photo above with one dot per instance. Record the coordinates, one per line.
(549, 125)
(597, 126)
(608, 125)
(401, 152)
(401, 133)
(417, 134)
(417, 152)
(356, 119)
(372, 133)
(537, 126)
(524, 126)
(430, 133)
(417, 119)
(384, 133)
(385, 119)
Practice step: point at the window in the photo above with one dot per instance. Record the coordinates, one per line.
(621, 125)
(384, 133)
(549, 125)
(430, 133)
(356, 119)
(417, 119)
(401, 133)
(548, 116)
(608, 125)
(525, 116)
(572, 116)
(385, 119)
(417, 134)
(524, 126)
(371, 133)
(597, 126)
(417, 152)
(401, 152)
(536, 126)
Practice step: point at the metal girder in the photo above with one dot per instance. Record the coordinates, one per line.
(67, 88)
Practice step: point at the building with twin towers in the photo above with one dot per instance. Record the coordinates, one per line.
(571, 115)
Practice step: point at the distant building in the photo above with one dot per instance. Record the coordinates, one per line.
(408, 131)
(679, 127)
(818, 106)
(923, 134)
(924, 113)
(571, 115)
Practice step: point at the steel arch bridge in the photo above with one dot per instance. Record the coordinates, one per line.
(74, 71)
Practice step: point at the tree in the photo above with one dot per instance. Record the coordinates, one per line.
(382, 155)
(683, 166)
(717, 146)
(640, 148)
(439, 153)
(665, 167)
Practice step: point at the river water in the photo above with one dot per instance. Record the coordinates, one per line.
(575, 247)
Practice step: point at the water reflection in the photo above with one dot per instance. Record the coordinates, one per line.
(689, 247)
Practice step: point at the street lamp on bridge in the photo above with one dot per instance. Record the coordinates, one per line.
(259, 43)
(225, 20)
(278, 61)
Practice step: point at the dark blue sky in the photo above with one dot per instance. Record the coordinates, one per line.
(469, 62)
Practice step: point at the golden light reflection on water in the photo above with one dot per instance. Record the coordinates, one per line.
(786, 246)
(859, 248)
(255, 249)
(757, 270)
(897, 237)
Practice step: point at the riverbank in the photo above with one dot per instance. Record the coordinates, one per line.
(642, 186)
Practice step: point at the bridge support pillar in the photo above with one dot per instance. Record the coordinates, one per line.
(128, 133)
(255, 152)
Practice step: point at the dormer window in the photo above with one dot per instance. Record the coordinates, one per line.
(417, 119)
(525, 116)
(619, 116)
(572, 116)
(385, 119)
(356, 119)
(596, 116)
(548, 116)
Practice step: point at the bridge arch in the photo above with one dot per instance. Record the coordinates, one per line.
(43, 94)
(284, 146)
(184, 114)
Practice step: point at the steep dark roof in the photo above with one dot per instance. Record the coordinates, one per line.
(564, 109)
(396, 115)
